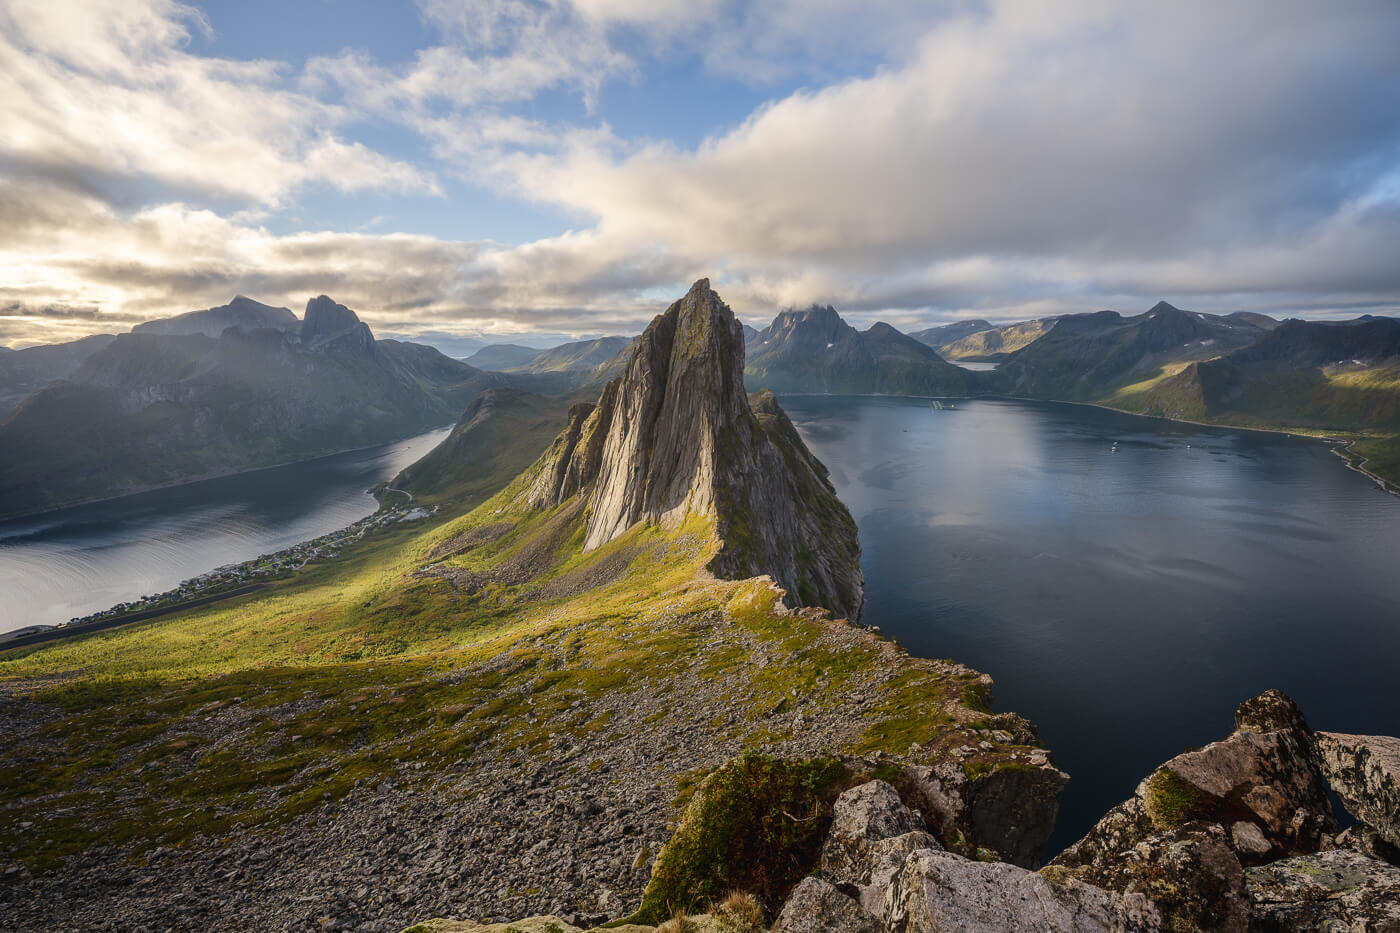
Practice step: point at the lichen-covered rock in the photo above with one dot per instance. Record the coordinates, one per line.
(817, 906)
(676, 435)
(862, 816)
(1265, 778)
(887, 858)
(942, 891)
(1271, 711)
(1009, 810)
(1338, 890)
(1362, 838)
(1190, 873)
(1262, 778)
(1364, 770)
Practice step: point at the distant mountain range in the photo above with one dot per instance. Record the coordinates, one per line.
(1087, 357)
(588, 360)
(246, 385)
(24, 372)
(241, 313)
(980, 342)
(154, 408)
(816, 351)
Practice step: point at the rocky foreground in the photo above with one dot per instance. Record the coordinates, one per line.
(1235, 836)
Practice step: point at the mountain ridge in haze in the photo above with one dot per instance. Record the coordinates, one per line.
(151, 409)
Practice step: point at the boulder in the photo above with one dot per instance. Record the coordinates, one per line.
(942, 891)
(1260, 775)
(816, 906)
(862, 816)
(1364, 770)
(887, 859)
(1336, 890)
(1010, 811)
(1362, 838)
(1190, 873)
(1249, 840)
(1271, 711)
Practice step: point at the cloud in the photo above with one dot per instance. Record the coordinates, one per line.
(1156, 145)
(105, 93)
(1005, 159)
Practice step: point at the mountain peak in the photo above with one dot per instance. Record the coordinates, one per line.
(242, 313)
(331, 325)
(675, 435)
(1163, 307)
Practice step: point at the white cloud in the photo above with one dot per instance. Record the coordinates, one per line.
(1007, 158)
(1059, 144)
(104, 92)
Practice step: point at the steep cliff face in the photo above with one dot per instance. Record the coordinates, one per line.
(676, 435)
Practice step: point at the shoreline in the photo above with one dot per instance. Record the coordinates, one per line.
(1339, 446)
(196, 590)
(21, 516)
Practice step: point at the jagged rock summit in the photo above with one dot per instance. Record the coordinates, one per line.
(328, 324)
(677, 435)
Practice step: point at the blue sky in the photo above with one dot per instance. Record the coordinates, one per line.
(545, 168)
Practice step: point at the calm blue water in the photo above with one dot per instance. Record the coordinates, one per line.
(1125, 599)
(72, 562)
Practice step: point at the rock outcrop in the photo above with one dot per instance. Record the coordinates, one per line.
(676, 435)
(862, 818)
(817, 906)
(1364, 770)
(1336, 890)
(943, 891)
(1239, 835)
(1236, 836)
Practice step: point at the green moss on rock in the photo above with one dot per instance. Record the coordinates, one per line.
(756, 824)
(1172, 800)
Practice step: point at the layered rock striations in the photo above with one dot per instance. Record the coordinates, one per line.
(677, 435)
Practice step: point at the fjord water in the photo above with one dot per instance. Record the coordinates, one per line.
(80, 560)
(1126, 581)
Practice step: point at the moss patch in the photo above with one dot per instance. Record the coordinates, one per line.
(1172, 800)
(756, 824)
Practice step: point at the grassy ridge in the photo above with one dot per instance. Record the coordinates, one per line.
(252, 713)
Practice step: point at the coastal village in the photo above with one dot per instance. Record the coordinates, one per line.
(265, 566)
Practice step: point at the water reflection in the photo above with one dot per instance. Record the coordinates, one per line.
(75, 561)
(1126, 581)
